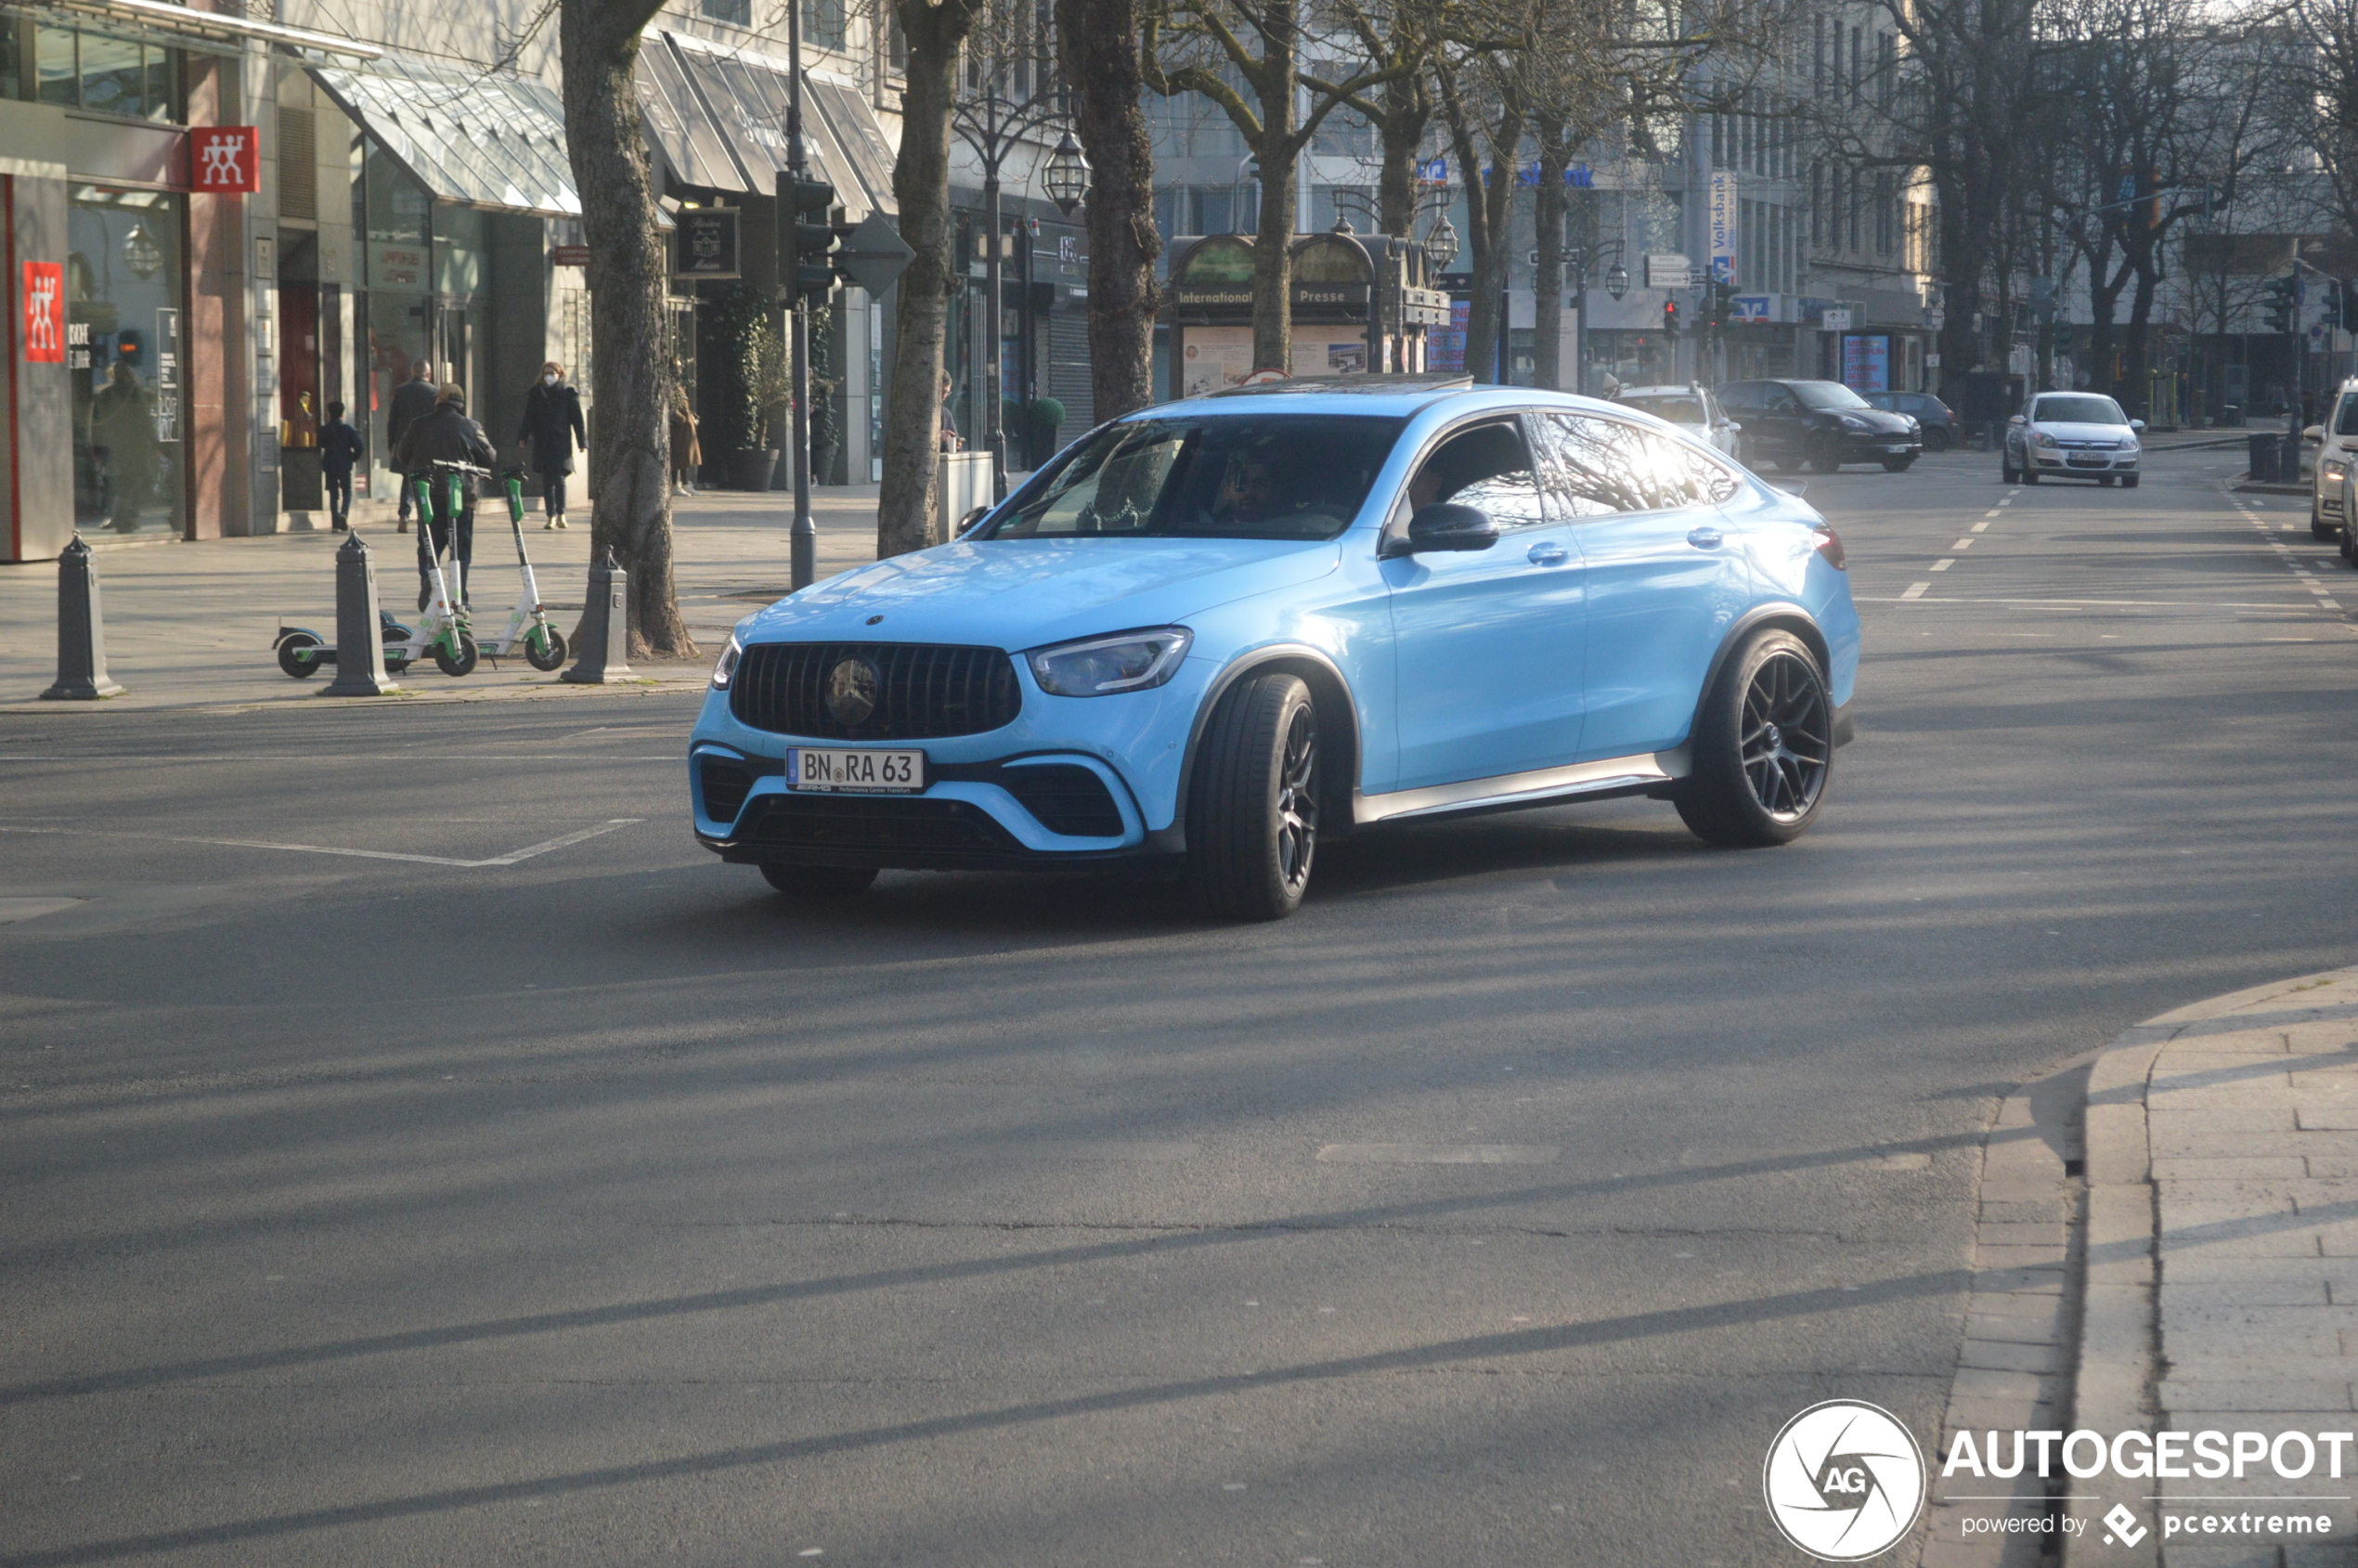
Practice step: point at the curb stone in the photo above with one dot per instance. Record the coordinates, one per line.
(2117, 1383)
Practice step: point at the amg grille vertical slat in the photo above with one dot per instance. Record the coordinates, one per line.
(923, 690)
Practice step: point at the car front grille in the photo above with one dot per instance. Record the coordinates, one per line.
(922, 690)
(1067, 798)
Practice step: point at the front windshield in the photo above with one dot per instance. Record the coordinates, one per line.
(1826, 394)
(2081, 409)
(1678, 410)
(1269, 476)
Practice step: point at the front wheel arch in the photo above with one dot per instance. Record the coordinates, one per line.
(1784, 617)
(1338, 739)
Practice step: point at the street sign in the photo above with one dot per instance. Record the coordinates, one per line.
(704, 245)
(1723, 225)
(873, 254)
(1668, 269)
(1836, 319)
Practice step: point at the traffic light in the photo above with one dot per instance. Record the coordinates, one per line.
(2329, 312)
(1670, 319)
(811, 238)
(1722, 308)
(2282, 292)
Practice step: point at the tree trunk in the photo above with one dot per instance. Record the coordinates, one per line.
(1273, 258)
(1101, 59)
(1407, 110)
(921, 184)
(630, 371)
(1548, 277)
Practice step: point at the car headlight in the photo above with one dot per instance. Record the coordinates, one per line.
(1102, 667)
(1852, 422)
(2127, 442)
(724, 669)
(2041, 438)
(2333, 467)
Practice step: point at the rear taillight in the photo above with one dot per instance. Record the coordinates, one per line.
(1830, 545)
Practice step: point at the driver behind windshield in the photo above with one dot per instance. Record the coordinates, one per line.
(1247, 490)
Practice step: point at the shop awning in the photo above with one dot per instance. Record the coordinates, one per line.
(718, 117)
(480, 138)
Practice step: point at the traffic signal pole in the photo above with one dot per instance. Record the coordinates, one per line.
(804, 539)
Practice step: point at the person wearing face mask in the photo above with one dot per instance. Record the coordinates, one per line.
(551, 430)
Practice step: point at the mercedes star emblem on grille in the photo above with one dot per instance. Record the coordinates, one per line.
(852, 691)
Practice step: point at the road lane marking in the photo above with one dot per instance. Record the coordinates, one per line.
(524, 854)
(1979, 527)
(1961, 544)
(13, 910)
(1915, 590)
(1439, 1154)
(1944, 564)
(1991, 513)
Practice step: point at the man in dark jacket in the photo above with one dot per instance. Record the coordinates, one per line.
(445, 435)
(411, 401)
(551, 429)
(339, 447)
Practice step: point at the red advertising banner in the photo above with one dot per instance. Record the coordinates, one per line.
(224, 159)
(44, 313)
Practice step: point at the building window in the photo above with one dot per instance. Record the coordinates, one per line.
(1887, 215)
(97, 74)
(1817, 203)
(826, 24)
(1887, 70)
(738, 13)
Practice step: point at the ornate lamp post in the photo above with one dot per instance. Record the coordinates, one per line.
(994, 124)
(1068, 175)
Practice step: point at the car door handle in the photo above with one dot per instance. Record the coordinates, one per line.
(1546, 553)
(1704, 538)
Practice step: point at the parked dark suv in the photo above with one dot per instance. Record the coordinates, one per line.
(1822, 423)
(1941, 430)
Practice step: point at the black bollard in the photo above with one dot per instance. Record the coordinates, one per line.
(360, 645)
(81, 632)
(606, 627)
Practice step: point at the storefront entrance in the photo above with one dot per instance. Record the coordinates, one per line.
(125, 358)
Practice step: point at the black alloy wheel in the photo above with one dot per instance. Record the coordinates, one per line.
(1825, 454)
(1252, 810)
(1762, 746)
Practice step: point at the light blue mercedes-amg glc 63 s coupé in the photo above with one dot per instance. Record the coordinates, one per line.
(1216, 632)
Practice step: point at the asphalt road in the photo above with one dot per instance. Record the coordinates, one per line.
(433, 1205)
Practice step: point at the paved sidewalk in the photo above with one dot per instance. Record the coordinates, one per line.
(195, 624)
(2222, 1259)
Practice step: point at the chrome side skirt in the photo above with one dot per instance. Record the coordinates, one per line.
(1614, 776)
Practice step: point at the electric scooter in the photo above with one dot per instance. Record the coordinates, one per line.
(444, 633)
(529, 633)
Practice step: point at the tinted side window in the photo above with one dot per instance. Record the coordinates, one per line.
(1597, 467)
(2346, 417)
(1698, 477)
(1487, 467)
(1739, 397)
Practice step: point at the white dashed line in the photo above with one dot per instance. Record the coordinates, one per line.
(1961, 544)
(1915, 590)
(1979, 527)
(1944, 564)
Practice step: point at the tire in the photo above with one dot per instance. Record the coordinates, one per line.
(299, 655)
(2103, 481)
(817, 881)
(1762, 746)
(1786, 462)
(1825, 459)
(2030, 476)
(544, 654)
(464, 664)
(1936, 439)
(2128, 481)
(2346, 547)
(1897, 465)
(2007, 474)
(1252, 810)
(2318, 527)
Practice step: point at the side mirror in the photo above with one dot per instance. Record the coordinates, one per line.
(1733, 428)
(2315, 433)
(2017, 419)
(965, 523)
(1446, 526)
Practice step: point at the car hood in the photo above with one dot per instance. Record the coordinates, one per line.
(2064, 432)
(1020, 593)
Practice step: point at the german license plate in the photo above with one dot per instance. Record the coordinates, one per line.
(855, 772)
(1895, 450)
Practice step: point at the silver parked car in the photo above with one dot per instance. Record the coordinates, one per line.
(1693, 406)
(2074, 436)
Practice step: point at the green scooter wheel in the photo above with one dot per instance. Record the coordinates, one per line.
(299, 655)
(545, 649)
(464, 664)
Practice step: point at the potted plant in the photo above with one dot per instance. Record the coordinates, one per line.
(1046, 416)
(732, 325)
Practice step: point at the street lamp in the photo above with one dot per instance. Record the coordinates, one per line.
(141, 253)
(1068, 176)
(1617, 281)
(993, 126)
(1441, 247)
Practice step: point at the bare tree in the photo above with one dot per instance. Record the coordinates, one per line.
(1215, 45)
(935, 31)
(1101, 66)
(631, 379)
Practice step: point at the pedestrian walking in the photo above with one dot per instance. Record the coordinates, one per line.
(411, 401)
(339, 447)
(445, 435)
(551, 429)
(123, 423)
(687, 455)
